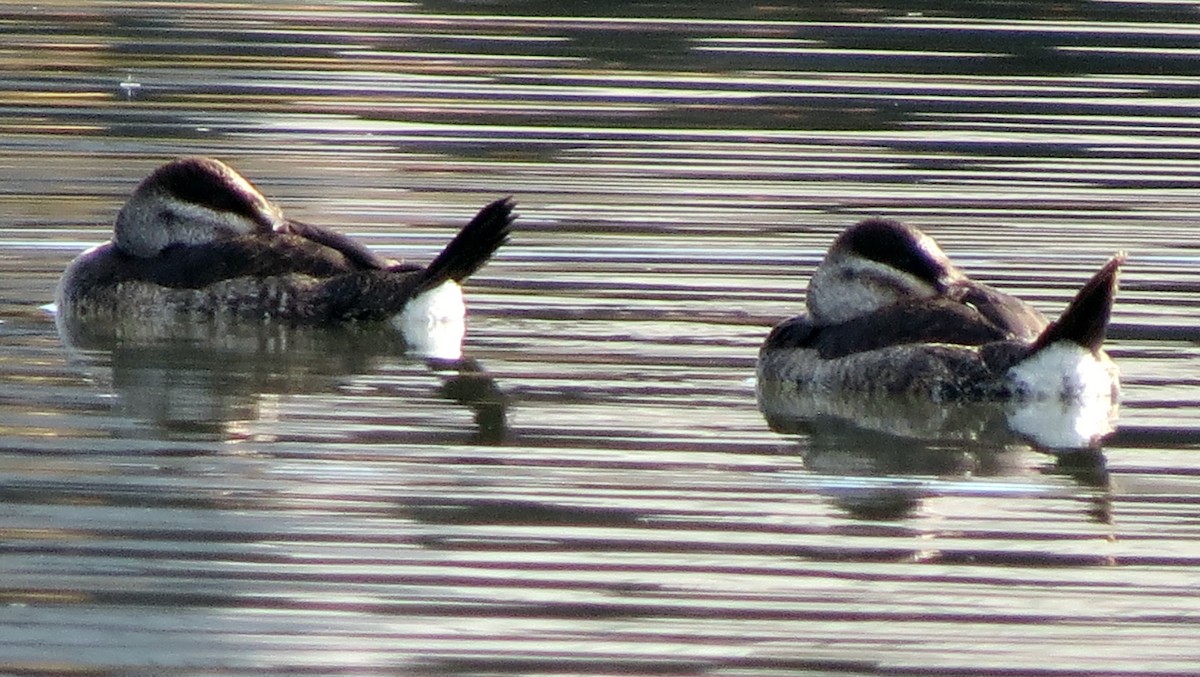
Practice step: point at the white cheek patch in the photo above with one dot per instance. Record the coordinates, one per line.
(854, 288)
(434, 322)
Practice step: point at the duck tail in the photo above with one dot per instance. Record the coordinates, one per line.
(1085, 320)
(473, 245)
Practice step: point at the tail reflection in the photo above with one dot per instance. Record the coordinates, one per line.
(466, 383)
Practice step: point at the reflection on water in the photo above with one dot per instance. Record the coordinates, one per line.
(594, 489)
(1050, 424)
(188, 385)
(847, 436)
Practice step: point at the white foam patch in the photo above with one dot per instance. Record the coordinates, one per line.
(1066, 371)
(433, 323)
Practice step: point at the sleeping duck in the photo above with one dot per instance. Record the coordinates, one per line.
(196, 240)
(889, 314)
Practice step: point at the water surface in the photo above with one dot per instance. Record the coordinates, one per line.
(595, 490)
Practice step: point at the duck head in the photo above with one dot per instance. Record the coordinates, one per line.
(876, 263)
(192, 200)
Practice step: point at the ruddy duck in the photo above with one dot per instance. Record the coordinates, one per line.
(197, 240)
(889, 314)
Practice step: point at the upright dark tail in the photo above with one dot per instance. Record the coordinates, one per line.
(1085, 320)
(472, 247)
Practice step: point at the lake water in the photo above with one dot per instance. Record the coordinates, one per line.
(595, 490)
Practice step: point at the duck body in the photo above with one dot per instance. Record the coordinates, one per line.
(889, 314)
(196, 241)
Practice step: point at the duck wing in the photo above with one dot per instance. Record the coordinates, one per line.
(1020, 320)
(924, 321)
(196, 266)
(355, 252)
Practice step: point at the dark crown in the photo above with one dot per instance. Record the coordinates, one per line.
(896, 245)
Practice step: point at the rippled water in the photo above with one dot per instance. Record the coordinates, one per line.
(595, 490)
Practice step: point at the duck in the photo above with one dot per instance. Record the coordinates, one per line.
(889, 314)
(196, 240)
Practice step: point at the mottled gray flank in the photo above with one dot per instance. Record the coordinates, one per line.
(300, 298)
(940, 372)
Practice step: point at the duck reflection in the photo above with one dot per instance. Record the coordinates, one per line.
(196, 380)
(852, 436)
